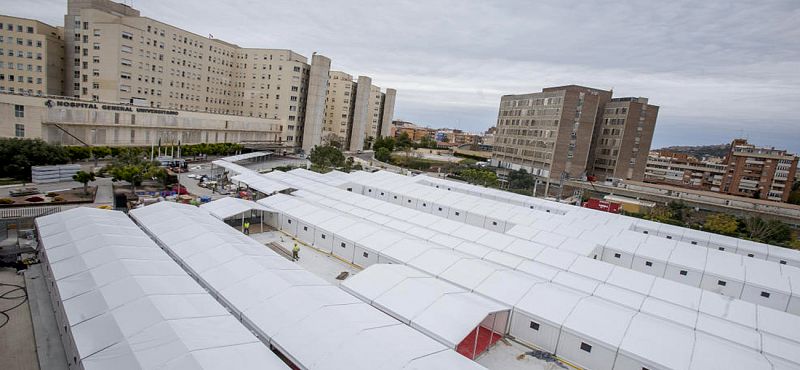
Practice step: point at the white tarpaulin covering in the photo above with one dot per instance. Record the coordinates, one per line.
(228, 207)
(630, 289)
(260, 183)
(128, 305)
(315, 325)
(241, 157)
(440, 309)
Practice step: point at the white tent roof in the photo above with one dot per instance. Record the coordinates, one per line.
(601, 320)
(442, 310)
(228, 207)
(314, 324)
(260, 183)
(560, 301)
(129, 305)
(670, 349)
(241, 157)
(711, 352)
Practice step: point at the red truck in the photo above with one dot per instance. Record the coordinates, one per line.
(602, 205)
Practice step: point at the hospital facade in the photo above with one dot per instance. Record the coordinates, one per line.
(108, 53)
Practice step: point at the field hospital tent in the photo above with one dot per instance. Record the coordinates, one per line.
(461, 320)
(122, 303)
(312, 323)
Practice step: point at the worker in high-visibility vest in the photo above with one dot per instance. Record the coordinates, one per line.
(296, 252)
(246, 228)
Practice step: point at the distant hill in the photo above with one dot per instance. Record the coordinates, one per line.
(700, 151)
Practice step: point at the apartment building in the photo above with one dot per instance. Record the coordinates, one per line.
(759, 172)
(679, 169)
(414, 132)
(31, 57)
(112, 54)
(573, 132)
(621, 140)
(339, 107)
(548, 133)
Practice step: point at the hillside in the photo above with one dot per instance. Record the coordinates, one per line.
(700, 151)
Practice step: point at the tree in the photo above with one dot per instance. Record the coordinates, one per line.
(520, 179)
(403, 141)
(427, 142)
(479, 176)
(17, 156)
(84, 178)
(384, 142)
(131, 166)
(324, 157)
(721, 223)
(383, 154)
(368, 142)
(333, 140)
(772, 231)
(678, 210)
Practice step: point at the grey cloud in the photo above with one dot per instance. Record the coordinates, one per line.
(717, 68)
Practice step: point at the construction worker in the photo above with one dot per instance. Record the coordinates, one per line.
(246, 228)
(296, 252)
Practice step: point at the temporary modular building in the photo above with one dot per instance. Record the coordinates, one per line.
(122, 302)
(461, 320)
(310, 322)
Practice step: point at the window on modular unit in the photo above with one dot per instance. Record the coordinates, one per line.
(349, 189)
(721, 248)
(344, 245)
(458, 213)
(722, 283)
(305, 228)
(586, 347)
(617, 255)
(684, 272)
(494, 223)
(694, 242)
(765, 294)
(648, 263)
(534, 325)
(290, 221)
(782, 262)
(669, 237)
(440, 209)
(409, 200)
(750, 255)
(323, 236)
(366, 255)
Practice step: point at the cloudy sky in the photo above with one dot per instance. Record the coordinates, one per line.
(717, 68)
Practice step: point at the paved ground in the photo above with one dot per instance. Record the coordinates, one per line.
(17, 345)
(321, 264)
(505, 355)
(49, 348)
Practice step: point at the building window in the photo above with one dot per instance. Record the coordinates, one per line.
(458, 213)
(683, 272)
(19, 111)
(720, 248)
(721, 283)
(782, 262)
(534, 325)
(617, 255)
(648, 263)
(323, 236)
(765, 294)
(366, 255)
(344, 245)
(19, 130)
(305, 228)
(586, 347)
(290, 221)
(750, 255)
